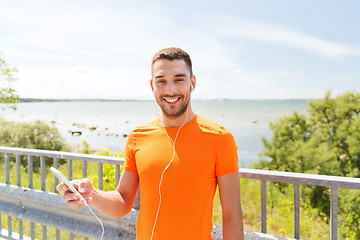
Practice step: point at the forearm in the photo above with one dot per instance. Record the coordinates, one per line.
(111, 203)
(233, 228)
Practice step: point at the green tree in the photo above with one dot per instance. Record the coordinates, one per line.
(8, 95)
(325, 141)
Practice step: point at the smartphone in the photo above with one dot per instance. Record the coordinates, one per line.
(64, 180)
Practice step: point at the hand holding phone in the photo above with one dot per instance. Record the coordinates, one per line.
(64, 180)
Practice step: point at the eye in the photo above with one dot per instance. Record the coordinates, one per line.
(160, 81)
(179, 79)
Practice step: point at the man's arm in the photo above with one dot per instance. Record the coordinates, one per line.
(115, 203)
(229, 189)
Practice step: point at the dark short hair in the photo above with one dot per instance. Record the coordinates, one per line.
(171, 54)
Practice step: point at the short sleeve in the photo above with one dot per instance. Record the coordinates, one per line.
(227, 158)
(130, 163)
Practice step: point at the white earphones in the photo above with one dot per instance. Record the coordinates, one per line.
(172, 159)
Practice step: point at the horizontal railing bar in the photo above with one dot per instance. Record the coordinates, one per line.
(301, 178)
(63, 155)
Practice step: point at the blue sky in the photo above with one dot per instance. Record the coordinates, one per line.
(255, 49)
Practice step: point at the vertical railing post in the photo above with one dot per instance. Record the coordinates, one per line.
(21, 230)
(57, 234)
(7, 168)
(263, 206)
(18, 169)
(30, 172)
(296, 210)
(44, 228)
(117, 173)
(56, 181)
(32, 231)
(333, 213)
(42, 173)
(84, 169)
(100, 176)
(10, 227)
(31, 186)
(69, 165)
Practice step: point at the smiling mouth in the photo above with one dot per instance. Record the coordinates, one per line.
(172, 100)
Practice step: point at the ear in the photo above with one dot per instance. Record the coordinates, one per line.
(193, 83)
(152, 85)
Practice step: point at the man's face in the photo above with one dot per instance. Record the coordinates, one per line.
(171, 84)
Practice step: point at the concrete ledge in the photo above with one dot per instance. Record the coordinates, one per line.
(217, 235)
(262, 236)
(50, 209)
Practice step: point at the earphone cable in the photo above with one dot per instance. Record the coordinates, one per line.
(102, 225)
(162, 175)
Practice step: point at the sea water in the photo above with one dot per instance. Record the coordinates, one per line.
(107, 123)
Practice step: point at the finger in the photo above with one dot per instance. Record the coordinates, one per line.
(85, 186)
(89, 200)
(62, 187)
(70, 196)
(76, 204)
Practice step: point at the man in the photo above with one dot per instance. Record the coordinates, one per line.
(176, 161)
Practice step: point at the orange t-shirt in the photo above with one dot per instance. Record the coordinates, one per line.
(204, 150)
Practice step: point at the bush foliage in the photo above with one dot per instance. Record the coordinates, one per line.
(37, 135)
(325, 140)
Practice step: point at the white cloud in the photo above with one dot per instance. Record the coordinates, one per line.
(231, 27)
(76, 50)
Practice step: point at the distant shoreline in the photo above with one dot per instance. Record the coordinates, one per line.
(77, 100)
(24, 100)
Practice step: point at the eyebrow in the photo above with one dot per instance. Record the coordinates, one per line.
(159, 76)
(177, 75)
(180, 75)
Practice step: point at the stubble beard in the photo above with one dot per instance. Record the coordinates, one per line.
(173, 112)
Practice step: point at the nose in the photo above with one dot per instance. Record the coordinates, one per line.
(171, 88)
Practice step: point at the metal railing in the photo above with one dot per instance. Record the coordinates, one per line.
(49, 209)
(300, 178)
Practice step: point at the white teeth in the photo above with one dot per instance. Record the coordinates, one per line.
(172, 100)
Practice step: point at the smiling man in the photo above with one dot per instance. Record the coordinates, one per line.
(176, 161)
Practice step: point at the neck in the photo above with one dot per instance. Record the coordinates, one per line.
(177, 122)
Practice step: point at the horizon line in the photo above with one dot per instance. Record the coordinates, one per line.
(130, 99)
